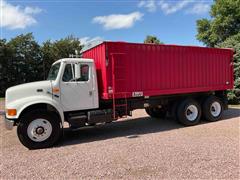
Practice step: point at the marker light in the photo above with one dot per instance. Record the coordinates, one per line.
(12, 112)
(55, 90)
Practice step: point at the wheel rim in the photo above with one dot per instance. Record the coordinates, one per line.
(191, 112)
(39, 130)
(215, 109)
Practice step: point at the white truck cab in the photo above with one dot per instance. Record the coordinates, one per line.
(38, 108)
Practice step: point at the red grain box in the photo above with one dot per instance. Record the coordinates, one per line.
(152, 70)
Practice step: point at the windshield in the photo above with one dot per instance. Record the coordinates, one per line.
(52, 75)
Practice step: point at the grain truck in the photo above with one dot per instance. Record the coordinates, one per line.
(111, 79)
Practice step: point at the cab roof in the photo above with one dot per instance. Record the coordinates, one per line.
(74, 60)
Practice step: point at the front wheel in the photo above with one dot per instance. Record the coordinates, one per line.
(39, 129)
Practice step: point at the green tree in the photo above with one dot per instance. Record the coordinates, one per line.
(48, 55)
(222, 30)
(5, 62)
(23, 60)
(26, 60)
(152, 40)
(234, 43)
(62, 48)
(224, 22)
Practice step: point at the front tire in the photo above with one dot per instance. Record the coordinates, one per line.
(212, 109)
(39, 129)
(189, 112)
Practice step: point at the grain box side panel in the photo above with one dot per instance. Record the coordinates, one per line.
(167, 69)
(114, 51)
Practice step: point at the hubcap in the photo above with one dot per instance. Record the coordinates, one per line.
(215, 109)
(191, 112)
(39, 130)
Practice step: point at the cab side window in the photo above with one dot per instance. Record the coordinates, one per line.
(84, 69)
(68, 73)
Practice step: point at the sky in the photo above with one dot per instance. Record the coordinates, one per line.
(172, 21)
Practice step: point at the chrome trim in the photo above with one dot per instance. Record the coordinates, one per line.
(8, 123)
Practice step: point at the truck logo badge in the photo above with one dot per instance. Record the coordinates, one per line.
(137, 94)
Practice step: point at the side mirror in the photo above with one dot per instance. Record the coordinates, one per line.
(77, 71)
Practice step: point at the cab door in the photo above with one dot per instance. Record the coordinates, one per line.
(77, 87)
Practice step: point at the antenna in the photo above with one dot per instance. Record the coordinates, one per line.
(76, 52)
(76, 55)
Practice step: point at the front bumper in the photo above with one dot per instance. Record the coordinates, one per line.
(9, 123)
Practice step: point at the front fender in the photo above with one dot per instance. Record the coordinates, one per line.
(23, 103)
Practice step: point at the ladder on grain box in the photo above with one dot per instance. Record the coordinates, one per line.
(119, 95)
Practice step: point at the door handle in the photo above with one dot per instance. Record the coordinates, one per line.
(90, 93)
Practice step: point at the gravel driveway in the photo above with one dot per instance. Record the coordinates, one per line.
(136, 148)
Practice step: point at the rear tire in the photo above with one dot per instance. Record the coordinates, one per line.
(212, 109)
(39, 129)
(189, 112)
(156, 112)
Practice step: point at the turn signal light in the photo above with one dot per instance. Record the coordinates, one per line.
(55, 90)
(12, 112)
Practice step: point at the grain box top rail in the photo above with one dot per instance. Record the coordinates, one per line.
(96, 43)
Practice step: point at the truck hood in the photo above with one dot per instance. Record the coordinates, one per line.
(26, 90)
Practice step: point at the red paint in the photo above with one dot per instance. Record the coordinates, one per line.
(160, 69)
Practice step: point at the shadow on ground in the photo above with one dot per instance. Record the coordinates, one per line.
(131, 128)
